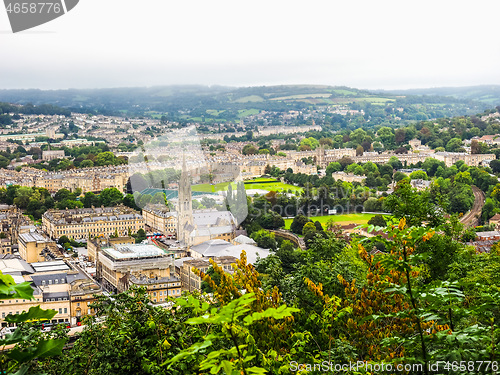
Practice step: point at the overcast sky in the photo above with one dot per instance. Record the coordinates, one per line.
(363, 44)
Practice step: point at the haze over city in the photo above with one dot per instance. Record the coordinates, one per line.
(363, 44)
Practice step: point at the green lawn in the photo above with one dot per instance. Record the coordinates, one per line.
(269, 184)
(207, 188)
(340, 219)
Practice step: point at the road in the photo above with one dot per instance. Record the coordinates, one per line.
(471, 218)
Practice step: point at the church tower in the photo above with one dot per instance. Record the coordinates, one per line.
(185, 212)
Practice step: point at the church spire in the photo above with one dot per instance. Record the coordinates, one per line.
(185, 213)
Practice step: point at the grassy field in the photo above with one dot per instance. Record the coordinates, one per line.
(375, 100)
(258, 183)
(303, 96)
(207, 188)
(247, 112)
(270, 185)
(214, 112)
(344, 92)
(339, 219)
(249, 99)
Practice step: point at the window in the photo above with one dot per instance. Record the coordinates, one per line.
(65, 310)
(78, 304)
(60, 311)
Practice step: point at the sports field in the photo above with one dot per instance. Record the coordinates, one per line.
(269, 184)
(208, 188)
(339, 219)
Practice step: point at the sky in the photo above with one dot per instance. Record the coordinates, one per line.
(363, 44)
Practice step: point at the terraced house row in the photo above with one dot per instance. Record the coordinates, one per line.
(84, 223)
(87, 179)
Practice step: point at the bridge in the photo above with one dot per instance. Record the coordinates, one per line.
(287, 235)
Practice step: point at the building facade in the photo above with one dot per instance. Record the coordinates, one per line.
(191, 281)
(95, 245)
(120, 267)
(56, 285)
(86, 223)
(33, 246)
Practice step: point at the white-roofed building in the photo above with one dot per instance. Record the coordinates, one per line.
(121, 266)
(220, 248)
(33, 246)
(55, 286)
(243, 240)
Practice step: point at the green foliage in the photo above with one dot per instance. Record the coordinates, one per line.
(238, 352)
(415, 207)
(377, 220)
(264, 239)
(298, 224)
(21, 357)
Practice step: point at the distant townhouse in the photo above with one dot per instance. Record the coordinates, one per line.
(52, 155)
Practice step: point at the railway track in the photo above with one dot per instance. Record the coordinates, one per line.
(472, 217)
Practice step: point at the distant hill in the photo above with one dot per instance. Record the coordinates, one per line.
(221, 104)
(486, 94)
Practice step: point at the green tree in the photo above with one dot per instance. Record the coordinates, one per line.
(105, 158)
(111, 197)
(418, 175)
(377, 220)
(309, 228)
(406, 202)
(454, 145)
(87, 164)
(265, 239)
(298, 223)
(90, 199)
(333, 167)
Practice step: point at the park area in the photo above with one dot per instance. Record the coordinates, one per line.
(338, 219)
(268, 184)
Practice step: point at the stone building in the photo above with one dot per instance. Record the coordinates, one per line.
(121, 266)
(52, 155)
(56, 285)
(191, 281)
(94, 245)
(85, 223)
(34, 245)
